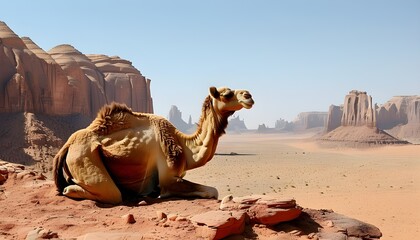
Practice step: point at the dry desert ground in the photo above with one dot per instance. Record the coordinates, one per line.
(378, 185)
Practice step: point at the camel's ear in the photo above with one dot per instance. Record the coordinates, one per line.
(213, 92)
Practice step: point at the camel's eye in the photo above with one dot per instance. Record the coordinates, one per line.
(228, 95)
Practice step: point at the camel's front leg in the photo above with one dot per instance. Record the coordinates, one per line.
(178, 187)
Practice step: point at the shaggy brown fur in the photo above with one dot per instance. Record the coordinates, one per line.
(219, 124)
(110, 118)
(114, 117)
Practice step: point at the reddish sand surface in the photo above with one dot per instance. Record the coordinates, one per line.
(377, 185)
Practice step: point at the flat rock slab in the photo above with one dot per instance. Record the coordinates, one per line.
(262, 209)
(219, 224)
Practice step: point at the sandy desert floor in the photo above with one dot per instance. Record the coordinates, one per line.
(378, 185)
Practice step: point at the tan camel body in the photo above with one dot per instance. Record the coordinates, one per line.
(138, 153)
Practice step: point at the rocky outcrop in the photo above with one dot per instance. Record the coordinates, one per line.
(262, 209)
(335, 114)
(236, 125)
(219, 224)
(358, 123)
(63, 80)
(175, 117)
(358, 110)
(307, 120)
(283, 125)
(400, 116)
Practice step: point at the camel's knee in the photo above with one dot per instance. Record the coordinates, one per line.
(76, 191)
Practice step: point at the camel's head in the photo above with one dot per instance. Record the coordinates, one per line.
(228, 100)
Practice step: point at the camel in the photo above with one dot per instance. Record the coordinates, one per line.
(126, 152)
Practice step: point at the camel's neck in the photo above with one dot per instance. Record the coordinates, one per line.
(201, 146)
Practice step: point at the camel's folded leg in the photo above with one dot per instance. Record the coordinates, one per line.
(75, 191)
(91, 178)
(183, 188)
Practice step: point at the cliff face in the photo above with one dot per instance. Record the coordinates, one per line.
(399, 110)
(64, 81)
(335, 114)
(401, 117)
(363, 123)
(358, 110)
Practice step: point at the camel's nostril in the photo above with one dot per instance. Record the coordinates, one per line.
(247, 96)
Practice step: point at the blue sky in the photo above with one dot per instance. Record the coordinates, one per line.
(293, 56)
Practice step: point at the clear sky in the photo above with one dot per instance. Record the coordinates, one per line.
(293, 56)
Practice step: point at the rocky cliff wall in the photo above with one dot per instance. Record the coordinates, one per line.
(400, 116)
(399, 110)
(358, 110)
(335, 113)
(65, 81)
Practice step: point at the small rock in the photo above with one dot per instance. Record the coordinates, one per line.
(142, 203)
(172, 217)
(129, 218)
(329, 223)
(41, 233)
(161, 215)
(268, 210)
(181, 219)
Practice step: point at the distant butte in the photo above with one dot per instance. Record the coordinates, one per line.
(356, 121)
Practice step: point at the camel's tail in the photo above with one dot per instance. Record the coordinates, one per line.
(58, 168)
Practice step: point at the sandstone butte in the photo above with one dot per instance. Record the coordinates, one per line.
(358, 120)
(64, 81)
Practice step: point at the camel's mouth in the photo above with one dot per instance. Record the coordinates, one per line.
(248, 103)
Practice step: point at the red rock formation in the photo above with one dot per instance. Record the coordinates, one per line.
(358, 110)
(358, 123)
(64, 81)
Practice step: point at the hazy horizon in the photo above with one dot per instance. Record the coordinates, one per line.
(293, 56)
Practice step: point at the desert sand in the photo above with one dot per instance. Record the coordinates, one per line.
(378, 185)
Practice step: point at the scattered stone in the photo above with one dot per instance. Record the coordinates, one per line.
(263, 209)
(142, 203)
(181, 219)
(172, 217)
(40, 233)
(219, 224)
(161, 215)
(129, 218)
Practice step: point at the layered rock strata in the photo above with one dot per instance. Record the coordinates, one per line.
(400, 116)
(358, 123)
(64, 81)
(358, 110)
